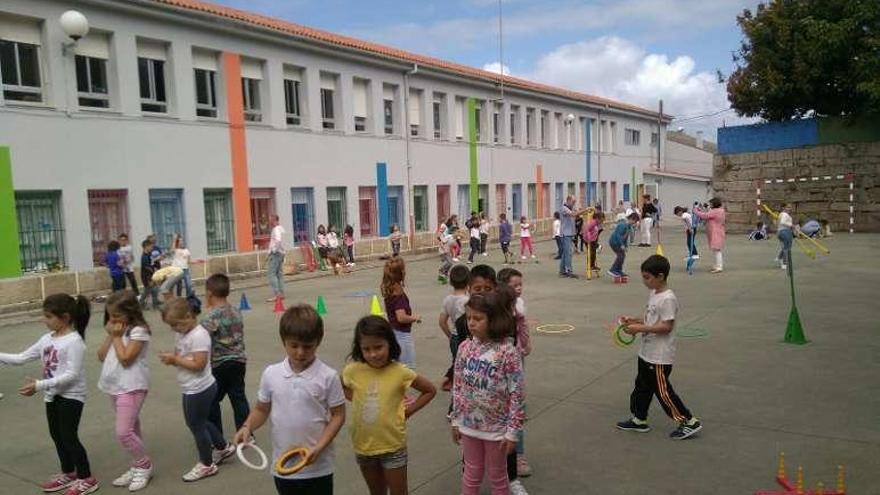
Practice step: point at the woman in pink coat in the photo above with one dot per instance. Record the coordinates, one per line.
(714, 219)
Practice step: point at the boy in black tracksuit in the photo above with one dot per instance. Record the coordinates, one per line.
(148, 267)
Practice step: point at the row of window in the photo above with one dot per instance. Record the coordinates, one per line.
(21, 77)
(41, 224)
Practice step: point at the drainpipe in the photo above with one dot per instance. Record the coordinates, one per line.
(406, 137)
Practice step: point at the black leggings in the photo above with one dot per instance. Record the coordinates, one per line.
(63, 416)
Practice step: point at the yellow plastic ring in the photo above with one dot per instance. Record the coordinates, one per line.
(281, 464)
(553, 328)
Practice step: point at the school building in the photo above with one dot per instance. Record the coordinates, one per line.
(178, 116)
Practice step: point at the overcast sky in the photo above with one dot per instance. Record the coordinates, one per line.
(637, 51)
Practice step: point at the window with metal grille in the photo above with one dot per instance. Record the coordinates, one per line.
(500, 198)
(151, 78)
(336, 207)
(20, 68)
(108, 214)
(166, 215)
(395, 209)
(40, 230)
(513, 127)
(388, 111)
(262, 210)
(219, 221)
(291, 102)
(438, 119)
(516, 202)
(303, 209)
(91, 82)
(533, 201)
(443, 206)
(367, 211)
(250, 89)
(420, 207)
(206, 93)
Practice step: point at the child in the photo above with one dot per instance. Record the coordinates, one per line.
(303, 399)
(323, 245)
(332, 239)
(505, 234)
(451, 310)
(557, 234)
(513, 278)
(484, 234)
(63, 386)
(376, 384)
(114, 264)
(578, 238)
(147, 270)
(181, 259)
(228, 360)
(397, 308)
(691, 242)
(474, 230)
(715, 230)
(191, 357)
(348, 240)
(525, 238)
(785, 234)
(126, 256)
(618, 241)
(487, 393)
(395, 240)
(591, 232)
(656, 355)
(125, 377)
(446, 241)
(760, 232)
(649, 211)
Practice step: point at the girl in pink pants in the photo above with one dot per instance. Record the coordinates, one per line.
(126, 378)
(487, 392)
(525, 238)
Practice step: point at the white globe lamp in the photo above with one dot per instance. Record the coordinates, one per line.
(74, 24)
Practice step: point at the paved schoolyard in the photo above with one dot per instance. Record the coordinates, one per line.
(819, 403)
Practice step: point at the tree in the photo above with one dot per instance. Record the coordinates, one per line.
(805, 57)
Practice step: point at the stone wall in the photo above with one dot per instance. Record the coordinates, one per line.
(735, 176)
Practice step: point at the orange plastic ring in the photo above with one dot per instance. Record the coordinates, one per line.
(280, 464)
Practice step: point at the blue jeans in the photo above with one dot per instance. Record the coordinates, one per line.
(230, 382)
(196, 409)
(558, 240)
(185, 282)
(620, 255)
(565, 260)
(785, 236)
(273, 271)
(407, 348)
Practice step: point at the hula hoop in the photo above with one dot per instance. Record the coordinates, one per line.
(617, 335)
(554, 328)
(239, 450)
(282, 461)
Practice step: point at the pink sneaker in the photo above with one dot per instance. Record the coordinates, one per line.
(83, 486)
(58, 482)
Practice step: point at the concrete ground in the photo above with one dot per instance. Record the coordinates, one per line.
(756, 396)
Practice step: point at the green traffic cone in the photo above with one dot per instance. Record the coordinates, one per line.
(321, 306)
(794, 331)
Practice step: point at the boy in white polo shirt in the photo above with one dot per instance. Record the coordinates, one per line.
(656, 356)
(303, 398)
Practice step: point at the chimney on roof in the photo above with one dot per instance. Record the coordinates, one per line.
(700, 139)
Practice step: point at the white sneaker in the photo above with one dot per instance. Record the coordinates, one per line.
(533, 256)
(219, 455)
(784, 267)
(124, 479)
(517, 488)
(522, 257)
(456, 260)
(696, 256)
(139, 478)
(485, 254)
(200, 471)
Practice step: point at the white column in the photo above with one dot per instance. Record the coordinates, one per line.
(123, 51)
(504, 138)
(377, 104)
(450, 118)
(273, 102)
(313, 97)
(345, 112)
(182, 90)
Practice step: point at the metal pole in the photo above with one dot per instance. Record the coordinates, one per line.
(472, 138)
(659, 132)
(588, 147)
(500, 50)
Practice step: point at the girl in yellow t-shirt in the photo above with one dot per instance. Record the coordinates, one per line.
(376, 384)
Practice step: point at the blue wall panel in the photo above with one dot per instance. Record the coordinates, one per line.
(770, 136)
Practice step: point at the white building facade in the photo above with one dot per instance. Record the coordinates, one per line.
(180, 117)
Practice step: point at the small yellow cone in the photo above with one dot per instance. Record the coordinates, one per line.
(375, 307)
(660, 250)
